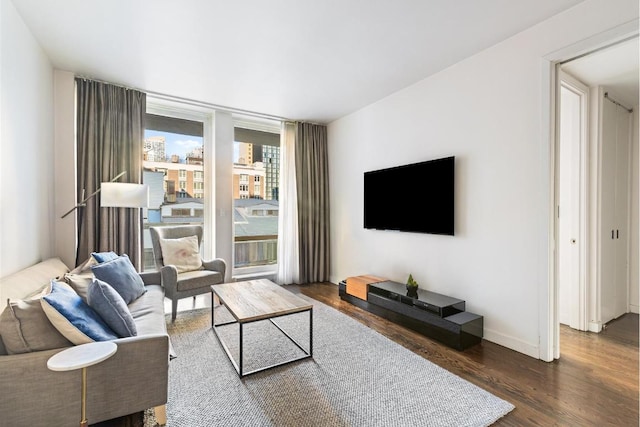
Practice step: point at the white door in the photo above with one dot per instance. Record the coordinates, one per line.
(614, 211)
(568, 203)
(573, 102)
(623, 157)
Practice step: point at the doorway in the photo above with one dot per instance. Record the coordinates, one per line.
(584, 196)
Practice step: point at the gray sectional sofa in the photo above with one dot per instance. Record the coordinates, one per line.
(132, 380)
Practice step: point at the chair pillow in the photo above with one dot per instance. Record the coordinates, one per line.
(104, 256)
(108, 303)
(25, 328)
(72, 317)
(122, 276)
(183, 253)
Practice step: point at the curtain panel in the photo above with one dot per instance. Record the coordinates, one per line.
(312, 182)
(288, 247)
(110, 132)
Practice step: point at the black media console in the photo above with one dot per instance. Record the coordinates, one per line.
(434, 315)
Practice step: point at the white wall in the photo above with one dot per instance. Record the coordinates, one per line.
(65, 166)
(488, 112)
(26, 146)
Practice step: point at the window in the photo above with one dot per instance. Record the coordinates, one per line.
(174, 165)
(173, 151)
(257, 161)
(180, 212)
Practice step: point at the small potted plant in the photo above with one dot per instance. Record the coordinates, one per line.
(412, 287)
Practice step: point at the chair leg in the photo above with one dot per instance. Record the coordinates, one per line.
(174, 309)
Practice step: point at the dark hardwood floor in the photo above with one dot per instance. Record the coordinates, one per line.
(594, 383)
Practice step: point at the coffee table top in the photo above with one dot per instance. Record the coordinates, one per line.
(258, 299)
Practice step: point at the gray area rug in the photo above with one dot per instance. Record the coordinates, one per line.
(357, 377)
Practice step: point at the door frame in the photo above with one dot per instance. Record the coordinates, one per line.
(548, 326)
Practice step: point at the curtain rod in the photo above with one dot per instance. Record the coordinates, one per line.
(217, 107)
(193, 102)
(606, 95)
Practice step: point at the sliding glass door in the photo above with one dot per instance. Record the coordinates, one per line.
(174, 170)
(256, 181)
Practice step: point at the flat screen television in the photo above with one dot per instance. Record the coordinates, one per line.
(417, 197)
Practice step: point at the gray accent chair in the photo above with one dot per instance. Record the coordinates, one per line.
(190, 283)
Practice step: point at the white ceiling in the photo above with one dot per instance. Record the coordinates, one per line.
(312, 60)
(616, 68)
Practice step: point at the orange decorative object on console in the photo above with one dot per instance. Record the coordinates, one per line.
(358, 286)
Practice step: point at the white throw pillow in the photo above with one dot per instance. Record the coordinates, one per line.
(183, 253)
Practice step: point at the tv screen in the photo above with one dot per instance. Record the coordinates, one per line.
(417, 197)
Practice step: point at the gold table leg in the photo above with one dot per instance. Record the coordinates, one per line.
(84, 422)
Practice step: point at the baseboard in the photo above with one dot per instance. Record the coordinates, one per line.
(634, 309)
(595, 327)
(512, 343)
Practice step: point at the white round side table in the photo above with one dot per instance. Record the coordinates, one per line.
(82, 356)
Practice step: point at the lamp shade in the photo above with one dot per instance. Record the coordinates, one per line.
(124, 195)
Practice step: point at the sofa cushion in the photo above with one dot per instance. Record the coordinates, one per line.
(80, 277)
(80, 282)
(183, 253)
(72, 317)
(122, 276)
(25, 328)
(108, 303)
(85, 266)
(148, 313)
(104, 256)
(26, 281)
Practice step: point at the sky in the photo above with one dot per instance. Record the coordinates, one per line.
(176, 143)
(181, 144)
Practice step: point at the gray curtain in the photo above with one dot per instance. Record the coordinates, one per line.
(312, 180)
(110, 131)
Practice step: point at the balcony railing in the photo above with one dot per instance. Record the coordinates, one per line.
(249, 251)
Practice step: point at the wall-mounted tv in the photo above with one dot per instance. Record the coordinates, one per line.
(417, 197)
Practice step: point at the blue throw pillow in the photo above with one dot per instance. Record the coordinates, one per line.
(108, 303)
(72, 317)
(104, 256)
(122, 276)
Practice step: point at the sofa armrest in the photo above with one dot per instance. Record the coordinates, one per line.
(135, 378)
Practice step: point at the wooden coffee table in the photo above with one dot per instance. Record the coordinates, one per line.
(256, 300)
